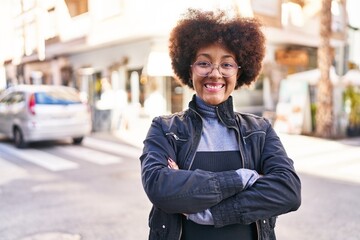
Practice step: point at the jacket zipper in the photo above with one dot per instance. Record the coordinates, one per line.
(192, 159)
(241, 153)
(198, 142)
(237, 130)
(238, 135)
(175, 136)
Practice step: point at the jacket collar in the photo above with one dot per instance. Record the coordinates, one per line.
(225, 110)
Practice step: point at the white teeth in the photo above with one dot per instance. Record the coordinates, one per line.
(214, 86)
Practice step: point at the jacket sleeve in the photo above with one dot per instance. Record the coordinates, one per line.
(181, 191)
(277, 192)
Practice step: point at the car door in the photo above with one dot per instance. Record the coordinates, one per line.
(12, 112)
(4, 109)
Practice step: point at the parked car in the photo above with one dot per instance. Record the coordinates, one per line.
(30, 113)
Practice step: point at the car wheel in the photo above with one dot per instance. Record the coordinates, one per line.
(78, 140)
(19, 139)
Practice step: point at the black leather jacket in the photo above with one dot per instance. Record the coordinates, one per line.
(172, 192)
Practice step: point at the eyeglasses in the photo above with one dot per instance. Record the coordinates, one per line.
(204, 68)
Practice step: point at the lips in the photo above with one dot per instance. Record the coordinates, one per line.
(214, 86)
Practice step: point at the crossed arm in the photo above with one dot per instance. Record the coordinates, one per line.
(229, 194)
(205, 217)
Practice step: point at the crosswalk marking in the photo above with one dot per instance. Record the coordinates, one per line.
(40, 158)
(95, 151)
(9, 172)
(112, 147)
(90, 155)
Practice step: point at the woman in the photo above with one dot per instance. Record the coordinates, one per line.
(210, 172)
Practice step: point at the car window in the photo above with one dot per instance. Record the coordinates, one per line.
(57, 97)
(12, 98)
(17, 97)
(5, 99)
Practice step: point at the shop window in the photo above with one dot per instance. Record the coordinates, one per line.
(176, 95)
(66, 76)
(135, 90)
(77, 7)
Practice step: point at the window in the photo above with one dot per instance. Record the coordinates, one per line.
(77, 7)
(13, 98)
(57, 96)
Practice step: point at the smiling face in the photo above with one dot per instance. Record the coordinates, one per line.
(214, 89)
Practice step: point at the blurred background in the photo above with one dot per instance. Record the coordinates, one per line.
(115, 52)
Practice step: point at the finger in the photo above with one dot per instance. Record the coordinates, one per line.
(172, 164)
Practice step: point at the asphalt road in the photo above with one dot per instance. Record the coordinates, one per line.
(89, 199)
(329, 211)
(93, 192)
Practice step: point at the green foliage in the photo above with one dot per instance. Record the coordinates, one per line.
(352, 105)
(313, 115)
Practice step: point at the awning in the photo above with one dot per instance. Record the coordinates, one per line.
(158, 64)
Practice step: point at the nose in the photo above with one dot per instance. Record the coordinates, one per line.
(212, 72)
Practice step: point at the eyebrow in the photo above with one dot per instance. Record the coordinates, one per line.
(208, 56)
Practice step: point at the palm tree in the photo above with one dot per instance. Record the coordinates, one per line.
(324, 110)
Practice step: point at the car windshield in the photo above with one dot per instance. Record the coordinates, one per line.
(57, 97)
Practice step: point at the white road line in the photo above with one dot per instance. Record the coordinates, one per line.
(90, 155)
(43, 159)
(9, 172)
(112, 147)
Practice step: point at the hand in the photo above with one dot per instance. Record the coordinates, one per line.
(172, 164)
(247, 176)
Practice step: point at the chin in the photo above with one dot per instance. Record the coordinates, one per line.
(214, 101)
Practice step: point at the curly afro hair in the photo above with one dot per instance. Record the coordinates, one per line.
(197, 29)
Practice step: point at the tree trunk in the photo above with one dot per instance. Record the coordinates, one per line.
(324, 111)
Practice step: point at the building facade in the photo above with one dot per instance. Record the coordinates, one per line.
(115, 51)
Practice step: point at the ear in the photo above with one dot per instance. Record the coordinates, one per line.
(238, 74)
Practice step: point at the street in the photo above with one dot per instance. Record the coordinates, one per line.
(93, 191)
(329, 211)
(329, 171)
(65, 192)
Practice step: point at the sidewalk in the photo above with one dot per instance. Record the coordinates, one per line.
(136, 132)
(335, 159)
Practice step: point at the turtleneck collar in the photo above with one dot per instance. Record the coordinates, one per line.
(205, 109)
(225, 109)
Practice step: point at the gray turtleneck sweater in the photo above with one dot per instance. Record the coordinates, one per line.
(218, 151)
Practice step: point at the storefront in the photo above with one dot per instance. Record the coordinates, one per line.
(126, 82)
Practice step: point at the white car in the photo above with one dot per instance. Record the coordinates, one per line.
(31, 113)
